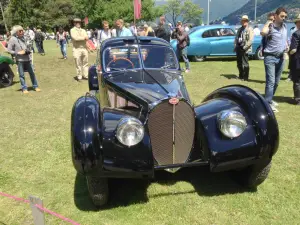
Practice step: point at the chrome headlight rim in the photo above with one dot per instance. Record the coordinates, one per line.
(129, 121)
(234, 116)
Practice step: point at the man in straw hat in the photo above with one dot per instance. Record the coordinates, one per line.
(295, 60)
(275, 47)
(80, 53)
(243, 45)
(18, 47)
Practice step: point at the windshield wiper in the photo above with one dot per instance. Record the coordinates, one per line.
(117, 69)
(166, 66)
(123, 70)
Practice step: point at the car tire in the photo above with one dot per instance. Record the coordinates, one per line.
(8, 79)
(98, 190)
(198, 58)
(258, 54)
(254, 175)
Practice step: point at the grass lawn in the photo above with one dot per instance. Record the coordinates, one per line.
(35, 159)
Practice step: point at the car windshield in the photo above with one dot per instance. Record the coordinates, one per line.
(158, 57)
(120, 58)
(127, 57)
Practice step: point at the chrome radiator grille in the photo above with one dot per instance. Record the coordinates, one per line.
(171, 129)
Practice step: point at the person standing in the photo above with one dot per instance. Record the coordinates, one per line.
(186, 28)
(79, 37)
(62, 41)
(104, 34)
(276, 45)
(122, 31)
(243, 45)
(133, 29)
(295, 61)
(17, 47)
(30, 35)
(292, 30)
(163, 31)
(39, 41)
(114, 30)
(182, 45)
(256, 31)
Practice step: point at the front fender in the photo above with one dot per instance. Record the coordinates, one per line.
(85, 132)
(259, 141)
(120, 160)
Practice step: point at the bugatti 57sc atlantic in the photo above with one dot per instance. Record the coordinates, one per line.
(138, 118)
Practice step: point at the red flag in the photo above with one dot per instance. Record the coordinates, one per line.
(86, 20)
(137, 9)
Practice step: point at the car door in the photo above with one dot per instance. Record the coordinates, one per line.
(199, 46)
(222, 42)
(227, 36)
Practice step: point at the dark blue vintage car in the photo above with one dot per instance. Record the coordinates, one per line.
(215, 40)
(138, 118)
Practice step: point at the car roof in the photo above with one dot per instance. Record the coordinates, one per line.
(133, 40)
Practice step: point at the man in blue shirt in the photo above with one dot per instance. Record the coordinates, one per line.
(122, 31)
(276, 45)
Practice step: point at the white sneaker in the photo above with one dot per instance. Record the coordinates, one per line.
(274, 109)
(275, 103)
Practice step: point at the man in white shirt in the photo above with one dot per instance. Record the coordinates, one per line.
(256, 31)
(105, 33)
(186, 28)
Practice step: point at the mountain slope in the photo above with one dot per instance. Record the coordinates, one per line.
(218, 8)
(263, 8)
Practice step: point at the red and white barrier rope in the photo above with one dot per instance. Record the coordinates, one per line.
(40, 207)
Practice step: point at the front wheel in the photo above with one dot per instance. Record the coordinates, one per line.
(198, 58)
(98, 190)
(258, 54)
(254, 175)
(6, 77)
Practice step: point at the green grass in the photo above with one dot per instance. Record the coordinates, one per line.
(35, 159)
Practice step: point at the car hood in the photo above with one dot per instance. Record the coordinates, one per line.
(140, 84)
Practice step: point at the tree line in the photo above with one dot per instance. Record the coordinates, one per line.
(50, 14)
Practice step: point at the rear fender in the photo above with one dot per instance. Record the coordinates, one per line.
(85, 131)
(259, 141)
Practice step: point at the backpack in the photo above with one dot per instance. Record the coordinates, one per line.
(39, 37)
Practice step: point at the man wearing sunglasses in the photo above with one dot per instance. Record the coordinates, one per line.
(276, 45)
(18, 47)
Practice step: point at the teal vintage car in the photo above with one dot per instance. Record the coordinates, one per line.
(215, 40)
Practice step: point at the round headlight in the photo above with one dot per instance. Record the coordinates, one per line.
(232, 123)
(130, 131)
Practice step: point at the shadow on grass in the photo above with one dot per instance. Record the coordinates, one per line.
(233, 76)
(125, 192)
(284, 99)
(13, 83)
(221, 59)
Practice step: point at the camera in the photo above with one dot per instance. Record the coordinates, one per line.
(27, 51)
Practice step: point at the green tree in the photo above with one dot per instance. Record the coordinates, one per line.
(114, 9)
(184, 10)
(44, 13)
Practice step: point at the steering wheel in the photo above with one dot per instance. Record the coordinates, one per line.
(121, 58)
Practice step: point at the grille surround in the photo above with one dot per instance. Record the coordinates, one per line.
(172, 131)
